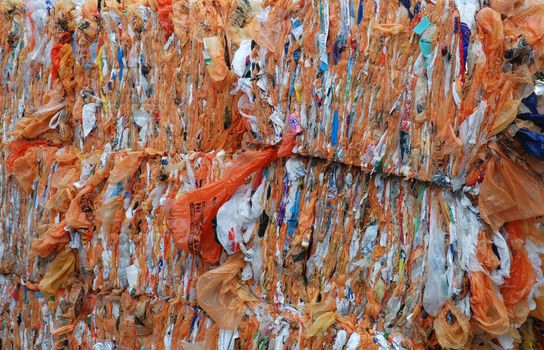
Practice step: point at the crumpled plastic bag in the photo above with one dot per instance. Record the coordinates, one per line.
(505, 117)
(436, 289)
(489, 311)
(18, 150)
(216, 65)
(38, 122)
(52, 241)
(219, 293)
(236, 219)
(528, 22)
(509, 193)
(126, 167)
(522, 274)
(321, 324)
(490, 23)
(452, 327)
(25, 170)
(77, 215)
(485, 253)
(60, 273)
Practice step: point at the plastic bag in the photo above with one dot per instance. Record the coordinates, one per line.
(505, 7)
(164, 13)
(219, 293)
(521, 280)
(321, 324)
(190, 218)
(505, 117)
(52, 241)
(25, 170)
(436, 288)
(533, 142)
(518, 312)
(38, 122)
(126, 167)
(490, 23)
(528, 22)
(60, 273)
(508, 193)
(236, 219)
(489, 311)
(215, 62)
(538, 312)
(452, 327)
(77, 215)
(485, 253)
(18, 149)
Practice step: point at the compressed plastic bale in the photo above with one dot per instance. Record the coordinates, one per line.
(381, 91)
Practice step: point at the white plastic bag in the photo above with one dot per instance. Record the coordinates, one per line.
(436, 288)
(236, 219)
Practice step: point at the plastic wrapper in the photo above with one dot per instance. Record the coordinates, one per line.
(271, 174)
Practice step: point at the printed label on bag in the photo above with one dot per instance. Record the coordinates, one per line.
(195, 231)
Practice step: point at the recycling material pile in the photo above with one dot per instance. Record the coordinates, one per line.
(197, 174)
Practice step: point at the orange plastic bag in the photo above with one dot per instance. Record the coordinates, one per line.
(217, 67)
(490, 23)
(268, 34)
(485, 253)
(489, 311)
(517, 313)
(321, 324)
(38, 123)
(190, 218)
(219, 293)
(164, 13)
(530, 23)
(508, 193)
(60, 272)
(25, 170)
(53, 240)
(538, 312)
(521, 280)
(505, 117)
(126, 167)
(534, 229)
(18, 149)
(505, 7)
(61, 200)
(451, 327)
(76, 216)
